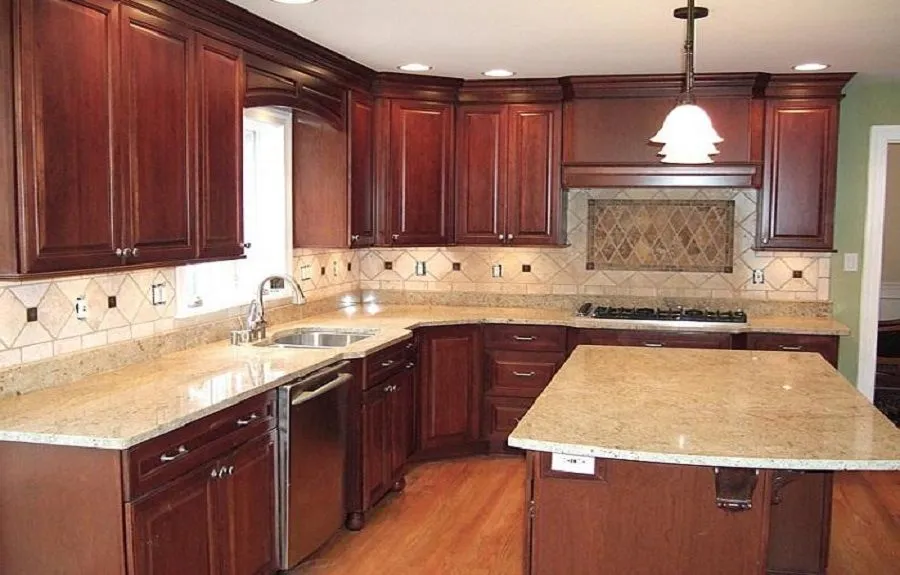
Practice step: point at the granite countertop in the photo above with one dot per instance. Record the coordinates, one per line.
(757, 409)
(119, 409)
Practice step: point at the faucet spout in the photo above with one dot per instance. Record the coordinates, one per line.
(299, 298)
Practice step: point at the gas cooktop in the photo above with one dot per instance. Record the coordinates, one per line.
(660, 314)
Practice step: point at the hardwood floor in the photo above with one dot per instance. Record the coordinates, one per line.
(465, 517)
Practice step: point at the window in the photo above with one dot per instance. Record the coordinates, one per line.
(209, 287)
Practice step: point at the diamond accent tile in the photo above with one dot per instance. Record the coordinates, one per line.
(13, 313)
(55, 310)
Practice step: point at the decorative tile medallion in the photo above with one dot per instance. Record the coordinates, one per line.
(661, 235)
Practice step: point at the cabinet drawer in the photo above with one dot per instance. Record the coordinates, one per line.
(824, 345)
(503, 415)
(640, 338)
(521, 374)
(159, 460)
(387, 362)
(525, 337)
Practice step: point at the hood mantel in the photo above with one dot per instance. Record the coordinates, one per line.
(608, 121)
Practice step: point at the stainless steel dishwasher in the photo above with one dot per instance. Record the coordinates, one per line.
(312, 456)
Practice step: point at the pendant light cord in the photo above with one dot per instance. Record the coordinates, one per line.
(688, 96)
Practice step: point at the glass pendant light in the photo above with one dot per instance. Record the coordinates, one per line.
(687, 133)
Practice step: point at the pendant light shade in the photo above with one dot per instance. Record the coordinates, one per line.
(687, 132)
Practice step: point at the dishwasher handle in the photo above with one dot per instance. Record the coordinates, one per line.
(309, 395)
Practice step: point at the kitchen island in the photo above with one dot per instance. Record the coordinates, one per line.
(692, 461)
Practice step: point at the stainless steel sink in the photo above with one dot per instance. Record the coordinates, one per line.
(317, 338)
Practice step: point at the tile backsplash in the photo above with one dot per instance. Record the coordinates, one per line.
(564, 271)
(120, 306)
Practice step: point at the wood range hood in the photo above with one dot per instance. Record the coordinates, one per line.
(610, 119)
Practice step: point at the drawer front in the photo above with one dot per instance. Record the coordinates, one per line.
(640, 338)
(521, 374)
(153, 463)
(387, 362)
(825, 345)
(525, 337)
(504, 414)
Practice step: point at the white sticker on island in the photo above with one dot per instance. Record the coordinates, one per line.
(572, 464)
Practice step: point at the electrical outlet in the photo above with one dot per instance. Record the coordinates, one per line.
(158, 294)
(81, 308)
(420, 269)
(572, 464)
(497, 271)
(851, 262)
(334, 268)
(759, 277)
(305, 273)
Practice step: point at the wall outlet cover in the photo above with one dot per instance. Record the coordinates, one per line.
(497, 271)
(158, 294)
(305, 272)
(759, 277)
(420, 268)
(81, 308)
(851, 262)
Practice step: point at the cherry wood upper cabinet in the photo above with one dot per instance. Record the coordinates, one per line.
(221, 86)
(449, 388)
(533, 212)
(362, 170)
(481, 173)
(320, 185)
(798, 195)
(160, 164)
(69, 196)
(419, 192)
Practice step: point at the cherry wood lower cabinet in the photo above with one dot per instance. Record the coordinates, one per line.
(603, 523)
(824, 345)
(644, 338)
(450, 391)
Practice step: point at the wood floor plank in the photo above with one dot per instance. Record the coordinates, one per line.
(466, 517)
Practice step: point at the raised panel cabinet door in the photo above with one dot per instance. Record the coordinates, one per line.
(68, 54)
(221, 86)
(798, 195)
(449, 387)
(376, 437)
(160, 104)
(481, 166)
(402, 417)
(247, 505)
(173, 531)
(362, 171)
(421, 160)
(535, 196)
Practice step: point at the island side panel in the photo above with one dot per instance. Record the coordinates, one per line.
(60, 510)
(800, 526)
(637, 517)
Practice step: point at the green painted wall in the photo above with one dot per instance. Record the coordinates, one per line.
(868, 103)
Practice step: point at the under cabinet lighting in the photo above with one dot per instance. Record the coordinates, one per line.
(499, 73)
(415, 67)
(294, 1)
(811, 67)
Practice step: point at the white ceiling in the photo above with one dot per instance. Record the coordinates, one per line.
(550, 38)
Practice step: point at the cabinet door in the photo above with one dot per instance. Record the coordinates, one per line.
(173, 530)
(502, 417)
(158, 69)
(376, 432)
(402, 402)
(798, 195)
(450, 387)
(421, 159)
(69, 199)
(221, 86)
(247, 509)
(535, 141)
(481, 174)
(362, 173)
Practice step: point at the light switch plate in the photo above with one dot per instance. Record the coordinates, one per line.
(305, 273)
(759, 277)
(496, 271)
(572, 464)
(851, 262)
(158, 294)
(420, 268)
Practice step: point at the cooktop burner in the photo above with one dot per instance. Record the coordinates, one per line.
(660, 314)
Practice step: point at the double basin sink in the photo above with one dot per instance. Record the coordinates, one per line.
(317, 338)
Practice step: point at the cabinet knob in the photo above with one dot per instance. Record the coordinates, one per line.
(126, 253)
(231, 470)
(395, 237)
(765, 240)
(120, 252)
(135, 252)
(410, 365)
(247, 245)
(502, 237)
(354, 238)
(387, 388)
(509, 237)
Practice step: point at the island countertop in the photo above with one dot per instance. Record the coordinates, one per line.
(756, 409)
(121, 408)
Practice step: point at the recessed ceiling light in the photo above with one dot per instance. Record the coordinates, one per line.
(499, 73)
(294, 1)
(415, 67)
(811, 67)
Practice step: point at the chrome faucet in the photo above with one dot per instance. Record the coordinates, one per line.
(256, 314)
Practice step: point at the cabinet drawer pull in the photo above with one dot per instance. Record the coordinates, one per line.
(166, 458)
(245, 422)
(410, 365)
(653, 344)
(524, 338)
(388, 363)
(790, 347)
(524, 373)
